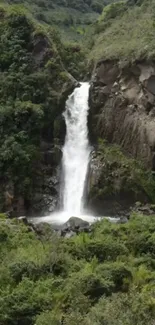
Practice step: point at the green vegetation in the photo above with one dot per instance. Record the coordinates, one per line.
(105, 277)
(69, 17)
(122, 176)
(33, 64)
(125, 31)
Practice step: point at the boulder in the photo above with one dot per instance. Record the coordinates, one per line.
(23, 219)
(70, 234)
(74, 225)
(146, 209)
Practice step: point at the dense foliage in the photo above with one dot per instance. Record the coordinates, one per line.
(70, 17)
(102, 277)
(125, 30)
(33, 65)
(105, 277)
(123, 174)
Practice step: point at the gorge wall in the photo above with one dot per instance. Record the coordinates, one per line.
(122, 100)
(122, 112)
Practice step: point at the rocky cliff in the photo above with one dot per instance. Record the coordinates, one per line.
(122, 101)
(122, 112)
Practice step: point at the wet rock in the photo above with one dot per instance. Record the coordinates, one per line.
(67, 89)
(59, 128)
(74, 226)
(70, 234)
(146, 209)
(23, 219)
(150, 84)
(53, 156)
(75, 223)
(123, 220)
(19, 206)
(44, 203)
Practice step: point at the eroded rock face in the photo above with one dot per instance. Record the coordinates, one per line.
(122, 107)
(41, 49)
(46, 197)
(113, 187)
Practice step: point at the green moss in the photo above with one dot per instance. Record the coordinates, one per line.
(113, 10)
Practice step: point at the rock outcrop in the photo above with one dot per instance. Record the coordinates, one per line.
(74, 226)
(122, 101)
(117, 182)
(122, 113)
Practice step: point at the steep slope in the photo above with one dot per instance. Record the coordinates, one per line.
(122, 96)
(71, 18)
(33, 86)
(125, 32)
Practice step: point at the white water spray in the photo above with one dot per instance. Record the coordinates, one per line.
(75, 161)
(76, 151)
(76, 155)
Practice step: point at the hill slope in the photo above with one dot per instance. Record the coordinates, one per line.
(125, 31)
(71, 18)
(33, 86)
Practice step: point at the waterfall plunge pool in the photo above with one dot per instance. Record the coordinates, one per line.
(60, 218)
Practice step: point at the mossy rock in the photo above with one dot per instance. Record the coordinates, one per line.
(120, 181)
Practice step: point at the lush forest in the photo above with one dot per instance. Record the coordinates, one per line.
(104, 276)
(34, 82)
(70, 18)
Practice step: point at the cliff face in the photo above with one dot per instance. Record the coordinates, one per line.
(122, 113)
(122, 103)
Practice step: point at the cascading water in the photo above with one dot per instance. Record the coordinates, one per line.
(75, 161)
(76, 154)
(76, 151)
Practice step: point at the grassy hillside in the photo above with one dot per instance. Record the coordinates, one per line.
(125, 31)
(71, 18)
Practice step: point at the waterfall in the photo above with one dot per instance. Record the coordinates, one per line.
(76, 150)
(75, 160)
